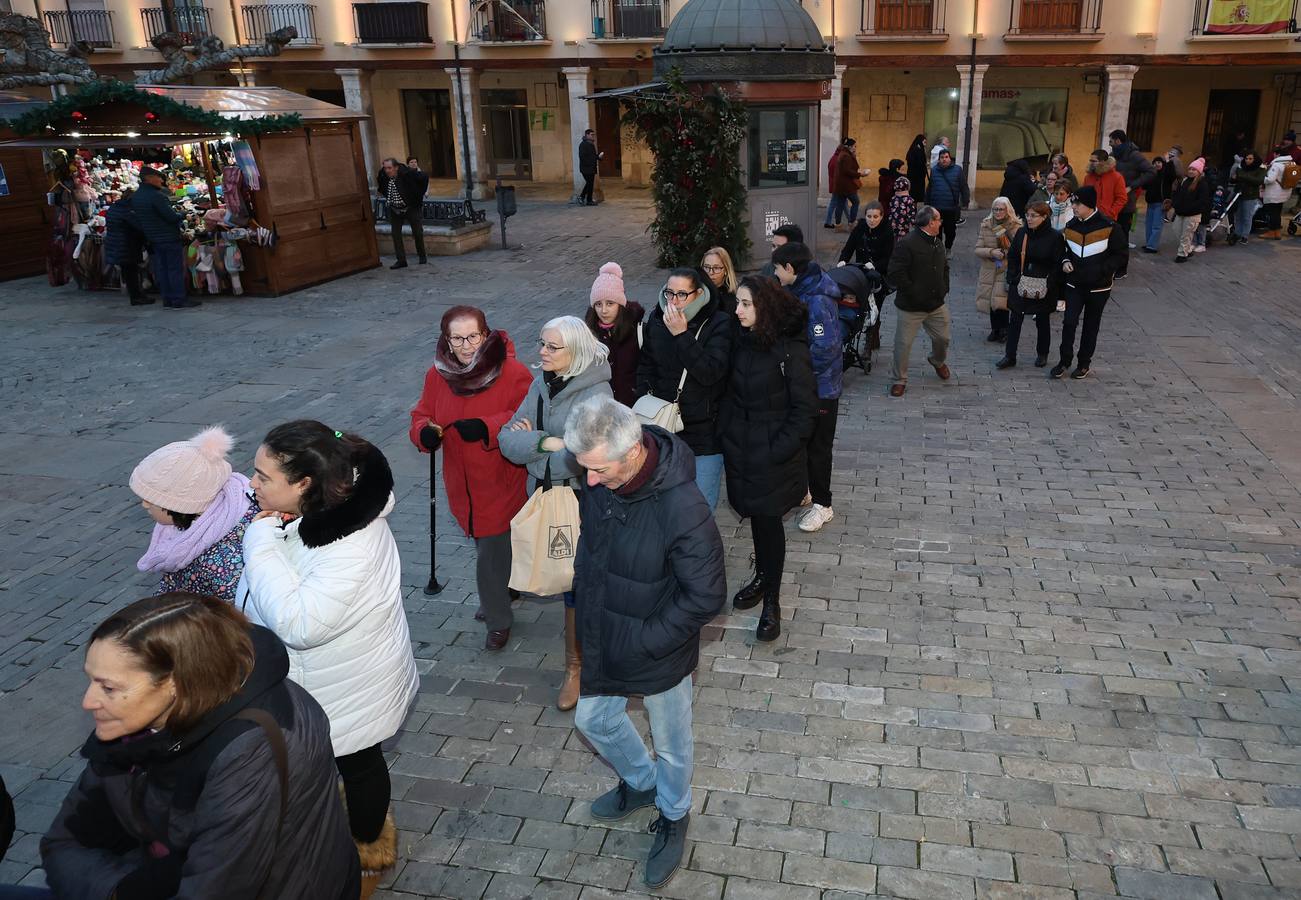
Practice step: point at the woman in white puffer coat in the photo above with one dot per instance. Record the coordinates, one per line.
(321, 570)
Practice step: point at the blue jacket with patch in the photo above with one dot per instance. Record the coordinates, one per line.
(819, 294)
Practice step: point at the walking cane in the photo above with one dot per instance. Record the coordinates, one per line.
(433, 588)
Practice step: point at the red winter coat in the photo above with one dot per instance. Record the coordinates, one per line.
(847, 180)
(484, 489)
(1110, 185)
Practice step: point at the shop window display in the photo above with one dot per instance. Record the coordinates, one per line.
(1015, 123)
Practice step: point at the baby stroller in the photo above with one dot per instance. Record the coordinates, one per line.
(858, 312)
(1221, 222)
(1294, 224)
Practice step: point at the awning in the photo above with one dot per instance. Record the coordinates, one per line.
(649, 87)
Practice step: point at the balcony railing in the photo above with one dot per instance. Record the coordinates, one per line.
(510, 21)
(1060, 17)
(616, 19)
(1202, 27)
(392, 23)
(91, 26)
(902, 17)
(262, 19)
(190, 22)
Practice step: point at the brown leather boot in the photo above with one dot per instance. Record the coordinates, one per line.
(378, 857)
(1272, 235)
(568, 698)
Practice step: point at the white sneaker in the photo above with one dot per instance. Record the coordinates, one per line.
(1200, 248)
(808, 498)
(1133, 246)
(816, 517)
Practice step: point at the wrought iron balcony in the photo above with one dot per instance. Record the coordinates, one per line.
(90, 26)
(190, 22)
(629, 19)
(902, 17)
(1240, 24)
(262, 19)
(1055, 17)
(509, 21)
(392, 23)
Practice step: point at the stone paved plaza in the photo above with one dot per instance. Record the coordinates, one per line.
(1049, 647)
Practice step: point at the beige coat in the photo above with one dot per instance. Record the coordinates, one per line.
(991, 290)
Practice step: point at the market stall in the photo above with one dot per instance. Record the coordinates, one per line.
(271, 183)
(24, 218)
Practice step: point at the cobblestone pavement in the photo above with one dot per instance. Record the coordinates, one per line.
(1050, 645)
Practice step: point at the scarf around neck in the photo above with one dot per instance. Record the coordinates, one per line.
(171, 549)
(482, 371)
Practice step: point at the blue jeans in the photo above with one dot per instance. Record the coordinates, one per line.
(604, 721)
(709, 474)
(1243, 213)
(837, 208)
(1154, 222)
(168, 264)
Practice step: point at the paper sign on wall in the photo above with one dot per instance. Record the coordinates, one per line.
(797, 158)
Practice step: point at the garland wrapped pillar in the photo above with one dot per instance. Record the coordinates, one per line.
(696, 139)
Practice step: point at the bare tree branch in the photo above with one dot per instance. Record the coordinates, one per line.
(26, 58)
(209, 53)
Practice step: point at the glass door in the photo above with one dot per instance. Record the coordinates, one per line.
(506, 117)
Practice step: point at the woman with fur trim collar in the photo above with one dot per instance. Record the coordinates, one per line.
(321, 570)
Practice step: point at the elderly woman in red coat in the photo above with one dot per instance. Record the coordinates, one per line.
(472, 390)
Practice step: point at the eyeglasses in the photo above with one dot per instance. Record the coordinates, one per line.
(548, 347)
(473, 339)
(679, 296)
(714, 270)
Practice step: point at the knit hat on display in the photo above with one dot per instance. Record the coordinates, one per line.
(1197, 165)
(1088, 196)
(609, 285)
(185, 476)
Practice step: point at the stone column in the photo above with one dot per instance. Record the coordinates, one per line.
(581, 83)
(466, 89)
(1115, 106)
(833, 117)
(965, 85)
(357, 97)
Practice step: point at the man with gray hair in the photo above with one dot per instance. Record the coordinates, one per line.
(919, 269)
(648, 576)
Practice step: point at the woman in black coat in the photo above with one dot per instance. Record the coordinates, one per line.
(918, 168)
(688, 332)
(1018, 186)
(767, 417)
(1036, 250)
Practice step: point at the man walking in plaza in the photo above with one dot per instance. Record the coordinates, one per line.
(404, 189)
(919, 270)
(588, 161)
(648, 576)
(1095, 250)
(161, 226)
(1139, 175)
(949, 194)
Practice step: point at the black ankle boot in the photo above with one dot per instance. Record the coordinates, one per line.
(749, 595)
(770, 620)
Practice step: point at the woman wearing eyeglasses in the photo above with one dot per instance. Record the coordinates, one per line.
(718, 268)
(472, 389)
(574, 368)
(689, 334)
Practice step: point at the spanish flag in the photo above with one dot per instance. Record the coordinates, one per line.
(1248, 16)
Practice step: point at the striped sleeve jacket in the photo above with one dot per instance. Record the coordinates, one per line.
(1096, 248)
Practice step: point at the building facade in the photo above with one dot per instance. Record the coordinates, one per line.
(1042, 75)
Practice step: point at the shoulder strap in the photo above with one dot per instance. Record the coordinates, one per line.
(1025, 241)
(682, 382)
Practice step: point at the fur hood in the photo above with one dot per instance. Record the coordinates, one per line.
(1104, 166)
(371, 497)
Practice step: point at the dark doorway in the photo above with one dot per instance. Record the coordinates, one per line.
(607, 139)
(429, 131)
(506, 114)
(1230, 122)
(327, 95)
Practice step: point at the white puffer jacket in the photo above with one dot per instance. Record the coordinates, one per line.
(1273, 190)
(334, 596)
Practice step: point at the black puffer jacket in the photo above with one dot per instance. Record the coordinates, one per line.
(706, 359)
(1018, 187)
(229, 840)
(767, 417)
(1036, 252)
(919, 268)
(648, 575)
(123, 239)
(1137, 170)
(1096, 248)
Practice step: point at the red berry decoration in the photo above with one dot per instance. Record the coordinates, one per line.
(78, 116)
(151, 117)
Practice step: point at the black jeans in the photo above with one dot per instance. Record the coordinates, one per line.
(819, 448)
(1043, 334)
(589, 183)
(1091, 305)
(413, 218)
(1273, 216)
(769, 548)
(997, 319)
(131, 279)
(1126, 222)
(366, 786)
(949, 226)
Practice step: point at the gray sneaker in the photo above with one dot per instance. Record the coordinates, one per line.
(666, 852)
(621, 802)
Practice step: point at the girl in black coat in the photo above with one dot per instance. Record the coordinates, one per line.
(614, 320)
(872, 241)
(766, 419)
(1036, 250)
(918, 168)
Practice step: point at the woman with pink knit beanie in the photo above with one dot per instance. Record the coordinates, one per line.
(613, 319)
(200, 508)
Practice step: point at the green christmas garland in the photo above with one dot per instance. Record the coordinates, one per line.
(696, 179)
(98, 93)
